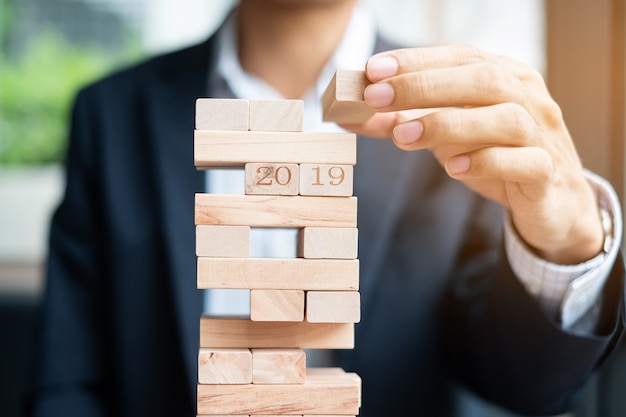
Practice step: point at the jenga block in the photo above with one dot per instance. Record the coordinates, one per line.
(227, 148)
(343, 100)
(333, 306)
(222, 114)
(331, 375)
(275, 211)
(244, 333)
(328, 243)
(223, 241)
(276, 305)
(224, 366)
(278, 273)
(316, 396)
(278, 366)
(328, 180)
(272, 179)
(276, 115)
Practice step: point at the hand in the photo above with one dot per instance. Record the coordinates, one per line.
(490, 121)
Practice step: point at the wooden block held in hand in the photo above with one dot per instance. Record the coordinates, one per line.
(277, 305)
(276, 115)
(343, 100)
(278, 273)
(317, 396)
(333, 306)
(278, 366)
(328, 243)
(222, 114)
(232, 149)
(263, 178)
(275, 211)
(326, 180)
(224, 366)
(223, 241)
(244, 333)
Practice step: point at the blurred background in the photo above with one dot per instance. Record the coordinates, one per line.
(50, 48)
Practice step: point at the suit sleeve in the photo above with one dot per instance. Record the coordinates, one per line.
(501, 344)
(71, 363)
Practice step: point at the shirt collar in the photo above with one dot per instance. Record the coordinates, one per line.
(356, 46)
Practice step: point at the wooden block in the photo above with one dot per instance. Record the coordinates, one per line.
(343, 100)
(244, 333)
(332, 374)
(325, 179)
(224, 366)
(328, 243)
(227, 148)
(276, 305)
(333, 306)
(278, 273)
(276, 115)
(275, 211)
(272, 179)
(222, 114)
(223, 241)
(278, 366)
(316, 396)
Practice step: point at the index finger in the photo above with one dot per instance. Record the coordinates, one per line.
(401, 61)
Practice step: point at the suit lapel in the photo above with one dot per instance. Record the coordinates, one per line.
(170, 110)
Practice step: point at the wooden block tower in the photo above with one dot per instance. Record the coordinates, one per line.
(256, 366)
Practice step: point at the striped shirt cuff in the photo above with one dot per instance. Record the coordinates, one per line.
(567, 293)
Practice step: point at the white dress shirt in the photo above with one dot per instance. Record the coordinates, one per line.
(566, 292)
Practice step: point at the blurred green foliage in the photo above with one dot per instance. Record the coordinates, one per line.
(36, 92)
(39, 82)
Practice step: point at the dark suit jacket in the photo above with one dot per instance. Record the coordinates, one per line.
(439, 302)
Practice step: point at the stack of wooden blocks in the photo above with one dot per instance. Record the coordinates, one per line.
(256, 366)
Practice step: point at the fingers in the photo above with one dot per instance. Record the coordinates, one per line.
(530, 167)
(446, 76)
(403, 61)
(499, 125)
(479, 84)
(381, 125)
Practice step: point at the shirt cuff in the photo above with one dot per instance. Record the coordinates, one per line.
(567, 292)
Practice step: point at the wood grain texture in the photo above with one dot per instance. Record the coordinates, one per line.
(244, 333)
(316, 396)
(278, 274)
(333, 306)
(278, 366)
(328, 243)
(223, 241)
(276, 115)
(343, 101)
(326, 180)
(277, 305)
(222, 114)
(275, 211)
(231, 148)
(263, 178)
(224, 366)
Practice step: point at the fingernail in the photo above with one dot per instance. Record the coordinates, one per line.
(380, 67)
(458, 165)
(409, 132)
(379, 95)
